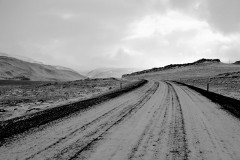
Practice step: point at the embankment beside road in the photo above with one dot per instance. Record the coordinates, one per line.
(21, 124)
(229, 104)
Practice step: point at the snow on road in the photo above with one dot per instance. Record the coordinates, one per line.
(160, 120)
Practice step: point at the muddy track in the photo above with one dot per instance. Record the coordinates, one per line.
(161, 120)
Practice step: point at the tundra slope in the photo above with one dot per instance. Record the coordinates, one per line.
(203, 68)
(223, 78)
(16, 69)
(161, 120)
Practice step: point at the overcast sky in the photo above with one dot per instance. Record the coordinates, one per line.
(87, 34)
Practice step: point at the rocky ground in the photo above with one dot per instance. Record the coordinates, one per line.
(23, 98)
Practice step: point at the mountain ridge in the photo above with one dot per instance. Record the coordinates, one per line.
(237, 62)
(109, 72)
(172, 66)
(12, 68)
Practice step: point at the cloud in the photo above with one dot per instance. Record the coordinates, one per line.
(62, 15)
(164, 24)
(123, 57)
(176, 36)
(124, 33)
(183, 4)
(224, 15)
(50, 51)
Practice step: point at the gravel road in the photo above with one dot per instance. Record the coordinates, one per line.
(160, 120)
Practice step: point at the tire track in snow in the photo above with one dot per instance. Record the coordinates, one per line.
(77, 131)
(148, 137)
(213, 137)
(74, 150)
(165, 128)
(177, 134)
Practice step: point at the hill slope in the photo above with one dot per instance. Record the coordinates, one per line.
(110, 72)
(200, 68)
(237, 62)
(13, 68)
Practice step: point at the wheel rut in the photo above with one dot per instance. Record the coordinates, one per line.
(149, 138)
(165, 128)
(177, 134)
(91, 135)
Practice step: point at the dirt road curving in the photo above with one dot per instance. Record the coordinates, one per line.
(160, 120)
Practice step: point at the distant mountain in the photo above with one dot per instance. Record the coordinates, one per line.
(27, 59)
(64, 68)
(201, 68)
(16, 69)
(110, 72)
